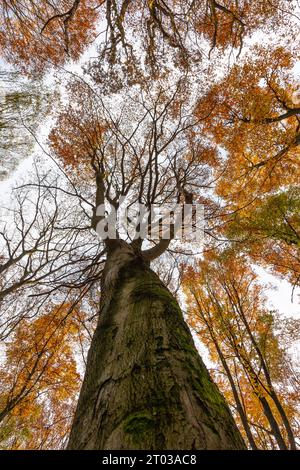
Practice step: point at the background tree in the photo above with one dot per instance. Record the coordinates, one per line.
(228, 311)
(253, 114)
(47, 251)
(22, 106)
(39, 380)
(253, 119)
(38, 35)
(44, 334)
(269, 233)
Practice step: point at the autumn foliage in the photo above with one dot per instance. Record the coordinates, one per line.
(38, 35)
(178, 102)
(40, 380)
(249, 345)
(254, 116)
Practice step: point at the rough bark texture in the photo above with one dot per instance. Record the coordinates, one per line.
(146, 386)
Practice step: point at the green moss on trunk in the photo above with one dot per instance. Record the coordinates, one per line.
(146, 386)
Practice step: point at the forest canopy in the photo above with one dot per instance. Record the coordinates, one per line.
(165, 104)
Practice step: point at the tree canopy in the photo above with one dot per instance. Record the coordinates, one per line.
(159, 103)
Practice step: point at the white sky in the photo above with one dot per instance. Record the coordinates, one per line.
(281, 295)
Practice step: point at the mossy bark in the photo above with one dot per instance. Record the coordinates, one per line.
(146, 386)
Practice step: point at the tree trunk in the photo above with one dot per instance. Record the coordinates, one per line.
(146, 386)
(265, 368)
(273, 423)
(239, 405)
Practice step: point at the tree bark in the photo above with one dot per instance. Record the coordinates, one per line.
(146, 386)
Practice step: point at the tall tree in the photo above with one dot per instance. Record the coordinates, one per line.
(157, 378)
(145, 385)
(229, 313)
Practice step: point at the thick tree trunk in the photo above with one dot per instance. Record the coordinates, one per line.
(145, 385)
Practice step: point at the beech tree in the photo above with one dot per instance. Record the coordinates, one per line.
(154, 119)
(121, 154)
